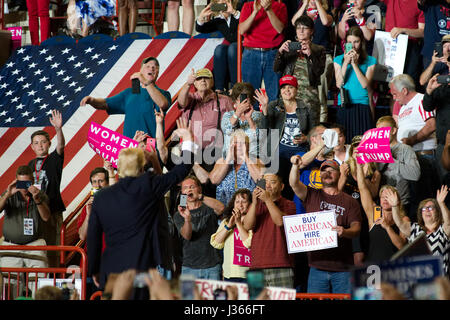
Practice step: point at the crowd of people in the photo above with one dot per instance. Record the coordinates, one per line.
(244, 155)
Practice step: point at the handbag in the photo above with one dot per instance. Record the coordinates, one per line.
(345, 100)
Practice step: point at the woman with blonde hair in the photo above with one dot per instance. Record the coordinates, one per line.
(237, 170)
(433, 219)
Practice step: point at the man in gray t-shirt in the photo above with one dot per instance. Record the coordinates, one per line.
(26, 209)
(196, 222)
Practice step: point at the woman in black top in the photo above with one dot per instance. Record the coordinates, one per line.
(225, 54)
(384, 236)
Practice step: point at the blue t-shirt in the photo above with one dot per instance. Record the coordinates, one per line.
(356, 93)
(310, 177)
(139, 110)
(437, 25)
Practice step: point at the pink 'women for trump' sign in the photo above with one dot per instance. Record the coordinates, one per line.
(241, 253)
(375, 146)
(108, 143)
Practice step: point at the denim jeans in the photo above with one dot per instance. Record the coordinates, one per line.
(225, 64)
(213, 273)
(258, 65)
(320, 281)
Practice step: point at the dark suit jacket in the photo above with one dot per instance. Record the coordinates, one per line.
(218, 24)
(127, 212)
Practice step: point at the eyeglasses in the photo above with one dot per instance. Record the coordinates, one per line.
(428, 208)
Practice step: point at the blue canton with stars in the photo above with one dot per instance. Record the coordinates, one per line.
(38, 79)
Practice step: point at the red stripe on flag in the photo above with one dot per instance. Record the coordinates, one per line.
(8, 138)
(179, 64)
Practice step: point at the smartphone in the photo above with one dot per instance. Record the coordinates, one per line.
(295, 46)
(438, 49)
(348, 47)
(183, 200)
(187, 285)
(151, 143)
(135, 86)
(242, 97)
(23, 184)
(220, 294)
(443, 79)
(94, 191)
(377, 214)
(261, 183)
(139, 280)
(217, 7)
(350, 5)
(255, 283)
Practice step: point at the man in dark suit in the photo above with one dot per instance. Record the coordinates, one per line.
(127, 213)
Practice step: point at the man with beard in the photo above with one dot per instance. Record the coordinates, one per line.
(139, 108)
(329, 268)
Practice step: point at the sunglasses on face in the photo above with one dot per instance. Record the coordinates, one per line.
(428, 208)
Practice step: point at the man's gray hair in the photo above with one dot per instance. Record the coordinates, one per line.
(403, 81)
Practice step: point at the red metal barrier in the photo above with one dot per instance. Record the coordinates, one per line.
(62, 271)
(323, 296)
(96, 294)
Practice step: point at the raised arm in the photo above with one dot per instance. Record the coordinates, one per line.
(440, 197)
(183, 95)
(402, 224)
(249, 220)
(366, 196)
(294, 178)
(56, 121)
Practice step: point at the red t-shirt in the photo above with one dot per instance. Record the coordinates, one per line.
(402, 14)
(80, 221)
(261, 33)
(269, 248)
(347, 211)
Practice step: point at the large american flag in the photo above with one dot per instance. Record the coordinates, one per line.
(58, 74)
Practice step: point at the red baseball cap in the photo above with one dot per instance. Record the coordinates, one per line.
(290, 80)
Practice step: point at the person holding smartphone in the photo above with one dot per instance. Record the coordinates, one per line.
(265, 219)
(242, 117)
(196, 221)
(354, 73)
(354, 15)
(26, 210)
(306, 63)
(222, 16)
(291, 120)
(139, 108)
(233, 238)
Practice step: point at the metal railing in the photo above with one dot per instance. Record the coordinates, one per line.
(46, 271)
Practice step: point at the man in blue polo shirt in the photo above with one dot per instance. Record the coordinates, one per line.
(139, 108)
